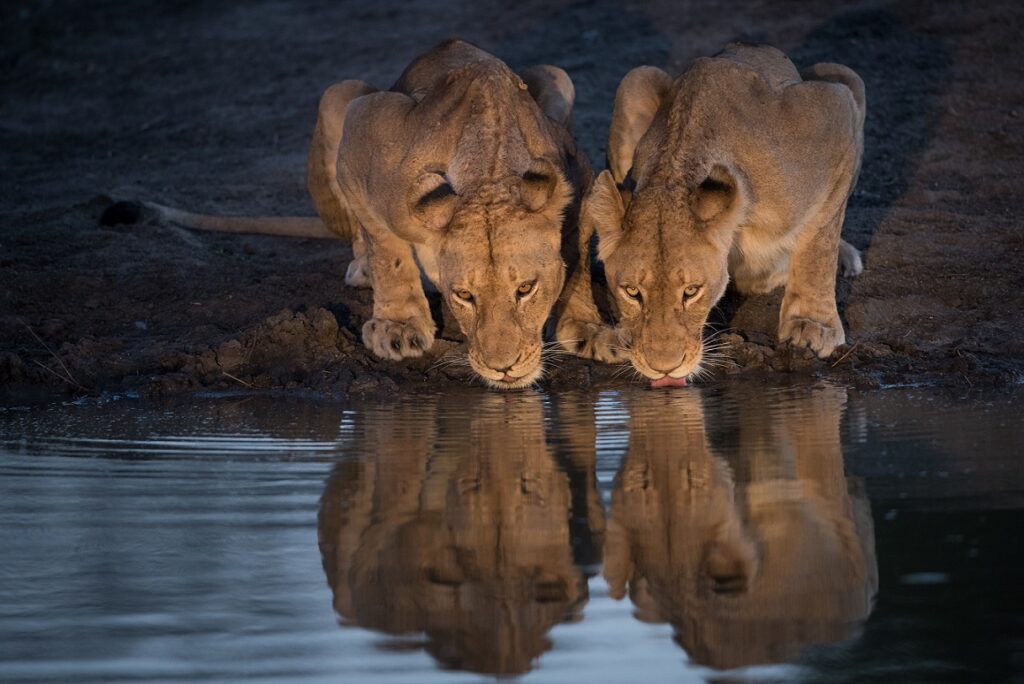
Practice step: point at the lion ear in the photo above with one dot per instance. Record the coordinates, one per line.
(604, 210)
(637, 101)
(432, 201)
(552, 89)
(540, 184)
(716, 194)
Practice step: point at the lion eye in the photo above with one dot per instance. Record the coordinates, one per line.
(690, 291)
(631, 291)
(464, 295)
(526, 288)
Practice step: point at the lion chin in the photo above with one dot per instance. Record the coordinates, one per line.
(506, 382)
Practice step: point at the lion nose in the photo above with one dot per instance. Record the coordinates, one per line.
(509, 367)
(666, 363)
(662, 355)
(665, 358)
(728, 565)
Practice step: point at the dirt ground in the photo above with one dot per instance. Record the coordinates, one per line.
(210, 106)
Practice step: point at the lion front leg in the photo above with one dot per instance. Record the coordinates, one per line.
(401, 326)
(322, 174)
(809, 317)
(580, 329)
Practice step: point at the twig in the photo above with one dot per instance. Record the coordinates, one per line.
(70, 379)
(238, 380)
(59, 376)
(848, 352)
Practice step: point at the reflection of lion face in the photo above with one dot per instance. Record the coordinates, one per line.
(750, 563)
(468, 542)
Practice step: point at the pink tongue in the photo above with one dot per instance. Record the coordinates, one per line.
(668, 382)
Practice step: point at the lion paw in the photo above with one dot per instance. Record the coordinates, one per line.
(850, 262)
(594, 341)
(358, 273)
(822, 338)
(397, 340)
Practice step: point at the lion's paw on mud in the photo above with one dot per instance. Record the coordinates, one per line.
(397, 340)
(822, 338)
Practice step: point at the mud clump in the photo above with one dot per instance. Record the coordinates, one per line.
(287, 350)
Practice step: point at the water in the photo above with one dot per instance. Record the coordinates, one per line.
(738, 533)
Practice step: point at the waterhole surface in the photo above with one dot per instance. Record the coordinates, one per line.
(734, 533)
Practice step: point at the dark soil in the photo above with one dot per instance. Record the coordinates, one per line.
(210, 106)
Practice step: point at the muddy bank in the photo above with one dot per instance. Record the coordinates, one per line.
(210, 107)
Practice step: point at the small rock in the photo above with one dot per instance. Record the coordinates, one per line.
(11, 367)
(206, 362)
(364, 384)
(172, 361)
(869, 350)
(230, 355)
(760, 338)
(731, 339)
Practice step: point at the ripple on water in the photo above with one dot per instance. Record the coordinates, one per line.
(798, 533)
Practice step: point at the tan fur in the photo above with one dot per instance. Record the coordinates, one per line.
(739, 168)
(321, 174)
(753, 558)
(471, 546)
(458, 171)
(495, 149)
(283, 226)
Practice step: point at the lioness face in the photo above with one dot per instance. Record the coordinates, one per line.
(501, 284)
(666, 263)
(499, 264)
(664, 290)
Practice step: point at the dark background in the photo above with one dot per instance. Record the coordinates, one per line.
(210, 106)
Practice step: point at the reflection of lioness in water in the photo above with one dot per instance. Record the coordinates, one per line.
(459, 528)
(740, 167)
(749, 559)
(466, 170)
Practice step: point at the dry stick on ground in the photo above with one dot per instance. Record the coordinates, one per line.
(67, 377)
(848, 352)
(238, 380)
(58, 375)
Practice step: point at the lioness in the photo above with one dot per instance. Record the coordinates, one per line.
(751, 558)
(455, 525)
(467, 171)
(740, 167)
